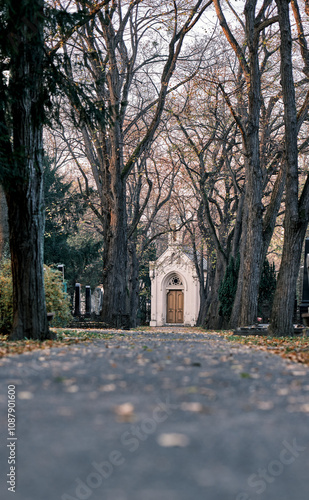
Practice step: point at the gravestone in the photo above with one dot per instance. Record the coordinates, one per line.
(97, 301)
(305, 292)
(77, 300)
(88, 301)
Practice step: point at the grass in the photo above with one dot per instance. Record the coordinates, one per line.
(64, 337)
(293, 348)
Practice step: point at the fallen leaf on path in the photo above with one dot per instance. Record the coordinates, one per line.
(283, 391)
(107, 388)
(223, 359)
(172, 440)
(25, 395)
(125, 412)
(72, 388)
(194, 407)
(265, 405)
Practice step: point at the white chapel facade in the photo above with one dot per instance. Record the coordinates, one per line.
(175, 298)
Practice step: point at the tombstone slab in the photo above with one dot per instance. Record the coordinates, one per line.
(304, 305)
(77, 300)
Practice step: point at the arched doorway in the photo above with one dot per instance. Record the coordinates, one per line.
(174, 313)
(174, 300)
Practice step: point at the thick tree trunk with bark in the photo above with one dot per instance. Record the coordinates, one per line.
(281, 323)
(245, 305)
(115, 310)
(202, 310)
(246, 300)
(213, 320)
(26, 220)
(22, 176)
(296, 210)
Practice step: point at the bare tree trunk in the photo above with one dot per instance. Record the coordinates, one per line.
(296, 210)
(203, 308)
(213, 320)
(281, 322)
(115, 258)
(246, 300)
(245, 307)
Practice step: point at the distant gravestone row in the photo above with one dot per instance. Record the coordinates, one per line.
(87, 304)
(304, 305)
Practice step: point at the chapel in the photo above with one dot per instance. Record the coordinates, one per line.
(175, 298)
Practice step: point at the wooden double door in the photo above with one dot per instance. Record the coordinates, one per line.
(174, 312)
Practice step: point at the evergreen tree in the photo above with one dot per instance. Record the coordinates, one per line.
(22, 100)
(65, 242)
(267, 289)
(228, 288)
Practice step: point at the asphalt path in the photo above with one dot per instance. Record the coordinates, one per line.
(167, 415)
